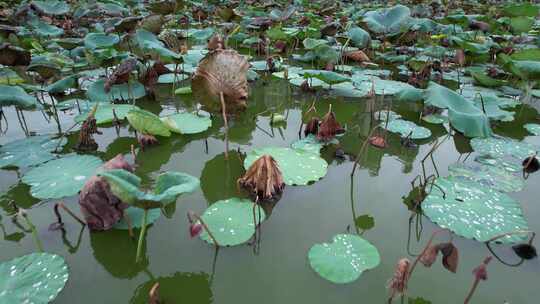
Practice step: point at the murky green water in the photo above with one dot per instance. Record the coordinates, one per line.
(102, 265)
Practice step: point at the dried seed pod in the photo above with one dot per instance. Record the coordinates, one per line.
(88, 129)
(329, 127)
(263, 179)
(450, 256)
(312, 127)
(398, 283)
(430, 255)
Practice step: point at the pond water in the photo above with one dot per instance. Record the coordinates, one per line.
(102, 265)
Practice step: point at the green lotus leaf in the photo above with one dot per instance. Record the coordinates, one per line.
(328, 77)
(495, 177)
(104, 113)
(435, 119)
(486, 81)
(313, 82)
(183, 91)
(231, 221)
(297, 166)
(61, 177)
(388, 21)
(526, 54)
(343, 260)
(51, 7)
(499, 147)
(521, 24)
(63, 84)
(187, 123)
(135, 216)
(69, 43)
(169, 185)
(150, 43)
(521, 9)
(29, 151)
(411, 95)
(276, 33)
(96, 91)
(311, 144)
(33, 278)
(463, 115)
(172, 78)
(100, 40)
(385, 87)
(260, 65)
(509, 164)
(383, 114)
(533, 128)
(326, 53)
(147, 123)
(9, 77)
(407, 129)
(364, 222)
(473, 210)
(310, 43)
(16, 96)
(359, 37)
(44, 29)
(201, 34)
(347, 89)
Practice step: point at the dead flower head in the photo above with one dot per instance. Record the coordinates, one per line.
(263, 178)
(398, 283)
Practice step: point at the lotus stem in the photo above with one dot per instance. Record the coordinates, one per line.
(66, 209)
(198, 218)
(33, 229)
(424, 250)
(224, 113)
(364, 145)
(129, 224)
(476, 281)
(141, 236)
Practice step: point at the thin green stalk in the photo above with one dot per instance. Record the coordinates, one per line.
(34, 232)
(141, 236)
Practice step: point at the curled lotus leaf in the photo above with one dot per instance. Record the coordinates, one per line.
(343, 260)
(473, 210)
(33, 278)
(407, 129)
(221, 72)
(147, 123)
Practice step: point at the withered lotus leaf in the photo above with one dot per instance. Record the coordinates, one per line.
(121, 74)
(329, 127)
(12, 56)
(263, 178)
(221, 71)
(100, 207)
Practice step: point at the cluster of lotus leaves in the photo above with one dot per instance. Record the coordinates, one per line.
(169, 185)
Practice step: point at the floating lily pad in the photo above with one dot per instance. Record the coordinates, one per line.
(231, 221)
(311, 144)
(147, 123)
(51, 7)
(169, 185)
(298, 167)
(499, 147)
(96, 91)
(407, 129)
(389, 20)
(135, 215)
(187, 123)
(435, 119)
(33, 278)
(29, 151)
(172, 77)
(473, 210)
(509, 164)
(381, 115)
(61, 177)
(490, 176)
(100, 40)
(533, 128)
(104, 113)
(343, 260)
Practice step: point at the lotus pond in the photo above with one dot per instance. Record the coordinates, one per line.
(269, 152)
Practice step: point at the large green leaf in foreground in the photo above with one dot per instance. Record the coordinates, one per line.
(61, 177)
(168, 187)
(343, 260)
(33, 278)
(135, 216)
(473, 210)
(16, 96)
(29, 151)
(231, 221)
(298, 167)
(498, 147)
(495, 177)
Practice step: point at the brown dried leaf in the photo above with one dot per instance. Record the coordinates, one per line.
(450, 256)
(312, 127)
(329, 127)
(263, 178)
(430, 255)
(221, 71)
(357, 56)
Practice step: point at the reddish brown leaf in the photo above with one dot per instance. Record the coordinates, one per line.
(377, 141)
(357, 56)
(430, 255)
(450, 256)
